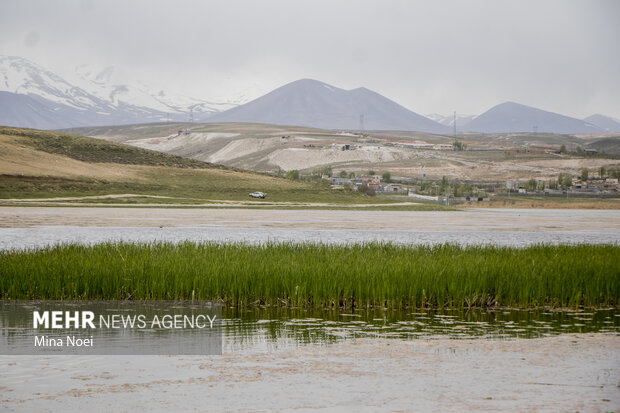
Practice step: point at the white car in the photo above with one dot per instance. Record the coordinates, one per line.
(258, 195)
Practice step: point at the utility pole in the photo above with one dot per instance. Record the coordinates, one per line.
(454, 124)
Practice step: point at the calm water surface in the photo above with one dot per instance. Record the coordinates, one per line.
(38, 237)
(265, 328)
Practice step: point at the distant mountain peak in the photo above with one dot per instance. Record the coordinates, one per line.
(309, 102)
(307, 80)
(606, 123)
(600, 116)
(511, 103)
(510, 117)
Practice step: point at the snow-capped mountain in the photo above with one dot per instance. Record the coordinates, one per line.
(23, 77)
(108, 85)
(31, 96)
(461, 120)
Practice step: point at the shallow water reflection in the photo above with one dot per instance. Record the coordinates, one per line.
(272, 327)
(266, 328)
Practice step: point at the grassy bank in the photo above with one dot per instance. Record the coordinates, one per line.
(381, 275)
(43, 164)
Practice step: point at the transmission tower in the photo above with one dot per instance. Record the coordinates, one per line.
(191, 115)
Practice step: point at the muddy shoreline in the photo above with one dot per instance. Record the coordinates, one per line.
(561, 373)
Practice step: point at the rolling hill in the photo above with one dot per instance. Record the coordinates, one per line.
(41, 164)
(608, 145)
(311, 103)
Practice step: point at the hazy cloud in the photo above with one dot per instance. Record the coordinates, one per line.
(430, 56)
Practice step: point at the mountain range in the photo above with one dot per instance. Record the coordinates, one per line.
(31, 96)
(312, 103)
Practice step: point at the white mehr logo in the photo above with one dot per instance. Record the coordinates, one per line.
(63, 319)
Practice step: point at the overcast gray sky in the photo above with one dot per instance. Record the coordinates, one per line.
(429, 56)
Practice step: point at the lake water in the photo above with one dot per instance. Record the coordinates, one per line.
(38, 227)
(263, 327)
(315, 360)
(282, 360)
(37, 237)
(249, 329)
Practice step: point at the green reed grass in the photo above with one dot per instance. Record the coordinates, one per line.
(310, 275)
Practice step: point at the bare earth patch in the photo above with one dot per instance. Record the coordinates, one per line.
(561, 373)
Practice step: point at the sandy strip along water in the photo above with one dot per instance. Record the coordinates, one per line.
(474, 219)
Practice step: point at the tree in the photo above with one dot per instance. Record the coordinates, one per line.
(532, 184)
(387, 177)
(343, 174)
(459, 146)
(457, 190)
(371, 172)
(567, 181)
(584, 174)
(351, 175)
(553, 184)
(602, 172)
(561, 180)
(324, 170)
(365, 189)
(292, 174)
(563, 149)
(443, 185)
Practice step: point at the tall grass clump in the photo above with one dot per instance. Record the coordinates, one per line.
(317, 275)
